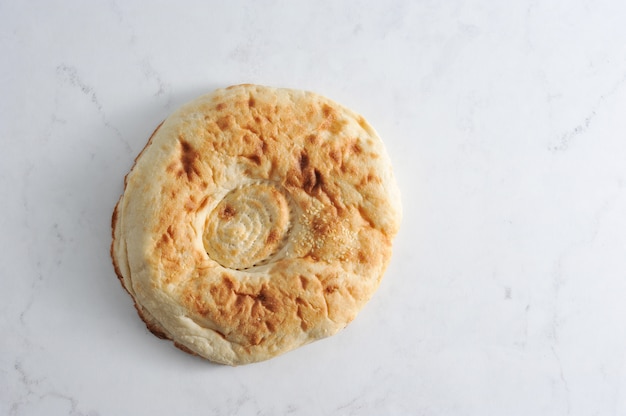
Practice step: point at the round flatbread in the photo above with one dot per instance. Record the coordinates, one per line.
(255, 221)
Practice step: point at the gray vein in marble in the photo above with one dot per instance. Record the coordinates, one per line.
(563, 143)
(567, 137)
(163, 87)
(589, 238)
(54, 121)
(26, 178)
(369, 397)
(33, 253)
(527, 38)
(31, 295)
(28, 383)
(291, 408)
(242, 403)
(559, 280)
(32, 393)
(72, 401)
(69, 74)
(121, 19)
(353, 406)
(145, 64)
(563, 380)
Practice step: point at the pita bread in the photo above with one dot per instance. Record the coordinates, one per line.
(255, 221)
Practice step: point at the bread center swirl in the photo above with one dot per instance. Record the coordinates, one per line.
(248, 227)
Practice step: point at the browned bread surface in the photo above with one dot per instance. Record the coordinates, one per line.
(256, 220)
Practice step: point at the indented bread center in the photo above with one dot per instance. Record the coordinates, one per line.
(248, 227)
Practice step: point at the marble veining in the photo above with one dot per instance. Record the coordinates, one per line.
(69, 75)
(582, 127)
(505, 124)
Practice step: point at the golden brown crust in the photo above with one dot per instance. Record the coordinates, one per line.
(115, 212)
(254, 221)
(113, 225)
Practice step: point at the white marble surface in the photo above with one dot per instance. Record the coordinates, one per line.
(506, 124)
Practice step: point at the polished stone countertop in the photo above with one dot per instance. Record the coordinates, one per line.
(506, 126)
